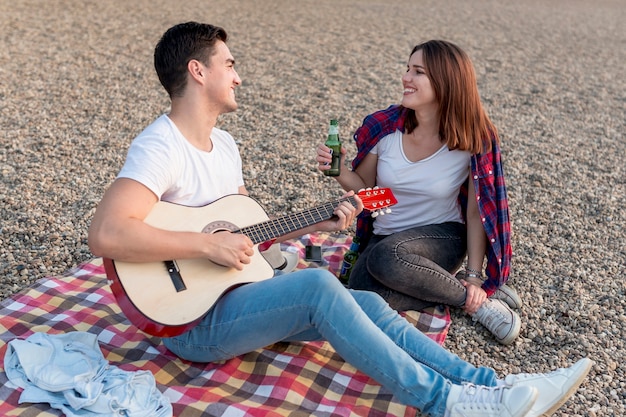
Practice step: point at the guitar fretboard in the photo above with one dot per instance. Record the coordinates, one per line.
(271, 229)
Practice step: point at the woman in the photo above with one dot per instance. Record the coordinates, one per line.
(439, 153)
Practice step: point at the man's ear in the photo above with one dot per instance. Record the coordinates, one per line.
(197, 70)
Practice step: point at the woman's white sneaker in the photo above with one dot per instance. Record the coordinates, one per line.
(499, 319)
(554, 388)
(509, 296)
(469, 400)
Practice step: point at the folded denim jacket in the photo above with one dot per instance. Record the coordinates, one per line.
(69, 372)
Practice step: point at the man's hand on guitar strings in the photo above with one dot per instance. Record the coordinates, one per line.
(230, 249)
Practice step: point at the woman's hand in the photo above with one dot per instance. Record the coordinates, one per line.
(476, 296)
(324, 157)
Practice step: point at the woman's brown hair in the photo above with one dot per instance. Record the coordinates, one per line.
(463, 122)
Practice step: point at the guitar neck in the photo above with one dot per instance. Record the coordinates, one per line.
(271, 229)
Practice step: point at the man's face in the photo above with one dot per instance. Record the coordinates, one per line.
(222, 79)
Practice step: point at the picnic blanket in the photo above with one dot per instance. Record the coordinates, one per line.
(284, 379)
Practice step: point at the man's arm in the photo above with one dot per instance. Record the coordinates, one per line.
(118, 231)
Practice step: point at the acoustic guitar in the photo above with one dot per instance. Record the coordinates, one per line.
(168, 298)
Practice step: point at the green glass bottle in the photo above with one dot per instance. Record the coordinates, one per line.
(349, 259)
(334, 143)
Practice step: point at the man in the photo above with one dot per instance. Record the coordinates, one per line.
(182, 158)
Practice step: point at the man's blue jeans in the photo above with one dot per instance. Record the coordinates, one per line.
(312, 305)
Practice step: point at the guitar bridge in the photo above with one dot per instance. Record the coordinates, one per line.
(174, 273)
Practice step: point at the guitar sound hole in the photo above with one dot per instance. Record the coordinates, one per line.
(219, 226)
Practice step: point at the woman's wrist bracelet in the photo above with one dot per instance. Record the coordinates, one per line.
(472, 273)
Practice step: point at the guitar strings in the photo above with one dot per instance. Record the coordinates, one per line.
(273, 228)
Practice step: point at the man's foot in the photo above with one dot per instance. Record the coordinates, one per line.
(509, 296)
(554, 388)
(469, 400)
(499, 319)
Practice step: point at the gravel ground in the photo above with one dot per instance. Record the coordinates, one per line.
(77, 84)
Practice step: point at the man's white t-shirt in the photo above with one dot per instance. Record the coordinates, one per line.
(427, 190)
(175, 171)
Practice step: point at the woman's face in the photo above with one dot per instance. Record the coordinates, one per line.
(418, 92)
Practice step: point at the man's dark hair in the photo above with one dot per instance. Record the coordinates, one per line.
(179, 45)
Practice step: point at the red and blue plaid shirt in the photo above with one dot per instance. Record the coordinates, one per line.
(488, 177)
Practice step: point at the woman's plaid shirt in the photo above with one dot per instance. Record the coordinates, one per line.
(488, 177)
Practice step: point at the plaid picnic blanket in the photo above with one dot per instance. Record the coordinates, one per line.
(294, 379)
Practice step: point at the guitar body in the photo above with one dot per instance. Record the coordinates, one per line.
(145, 291)
(169, 298)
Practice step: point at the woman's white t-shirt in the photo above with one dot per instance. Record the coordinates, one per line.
(427, 190)
(174, 170)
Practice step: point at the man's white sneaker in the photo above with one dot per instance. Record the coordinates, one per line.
(509, 296)
(469, 400)
(499, 319)
(554, 388)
